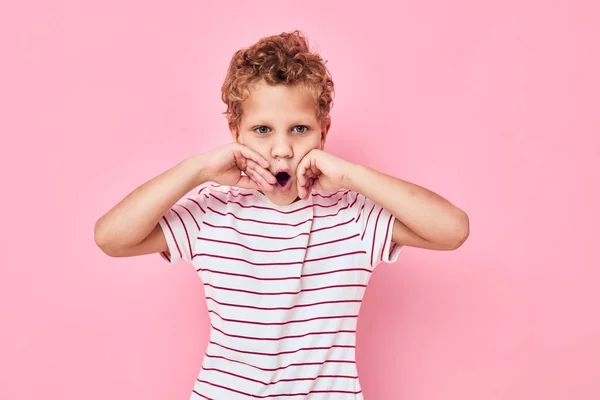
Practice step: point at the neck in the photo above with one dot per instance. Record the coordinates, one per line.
(297, 198)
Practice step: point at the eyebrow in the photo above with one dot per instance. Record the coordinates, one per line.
(261, 122)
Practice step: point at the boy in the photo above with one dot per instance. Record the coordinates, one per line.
(284, 235)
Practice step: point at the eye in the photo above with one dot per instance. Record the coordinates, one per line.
(305, 128)
(261, 129)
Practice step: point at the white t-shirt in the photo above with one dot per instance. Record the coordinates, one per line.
(283, 287)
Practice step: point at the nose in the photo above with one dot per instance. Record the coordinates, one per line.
(282, 147)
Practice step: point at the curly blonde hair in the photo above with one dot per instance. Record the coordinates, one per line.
(278, 59)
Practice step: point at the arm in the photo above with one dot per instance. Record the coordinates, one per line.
(423, 218)
(131, 227)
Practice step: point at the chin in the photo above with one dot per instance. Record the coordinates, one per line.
(283, 199)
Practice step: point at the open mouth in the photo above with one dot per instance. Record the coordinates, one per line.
(282, 178)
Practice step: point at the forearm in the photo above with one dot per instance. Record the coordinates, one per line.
(134, 217)
(424, 212)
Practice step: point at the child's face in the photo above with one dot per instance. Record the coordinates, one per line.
(280, 123)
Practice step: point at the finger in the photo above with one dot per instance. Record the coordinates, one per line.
(311, 171)
(301, 173)
(256, 177)
(302, 192)
(265, 173)
(306, 191)
(254, 156)
(317, 185)
(308, 178)
(240, 161)
(314, 169)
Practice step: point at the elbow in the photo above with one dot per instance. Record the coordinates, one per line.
(100, 238)
(461, 230)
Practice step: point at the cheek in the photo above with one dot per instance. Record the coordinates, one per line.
(305, 147)
(252, 144)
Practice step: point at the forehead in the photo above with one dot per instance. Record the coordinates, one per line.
(278, 103)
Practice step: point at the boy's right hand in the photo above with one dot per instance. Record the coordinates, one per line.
(224, 165)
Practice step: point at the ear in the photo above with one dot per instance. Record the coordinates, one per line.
(234, 133)
(324, 131)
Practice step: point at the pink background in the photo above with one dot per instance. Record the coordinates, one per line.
(492, 104)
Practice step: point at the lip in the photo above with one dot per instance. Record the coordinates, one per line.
(282, 170)
(288, 184)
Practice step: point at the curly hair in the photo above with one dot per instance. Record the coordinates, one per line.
(278, 59)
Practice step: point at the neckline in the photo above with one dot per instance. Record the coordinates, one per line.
(286, 207)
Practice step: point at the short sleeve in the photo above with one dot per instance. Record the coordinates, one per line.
(375, 225)
(181, 225)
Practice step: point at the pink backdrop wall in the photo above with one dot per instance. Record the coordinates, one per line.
(494, 105)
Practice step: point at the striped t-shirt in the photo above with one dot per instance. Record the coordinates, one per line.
(283, 287)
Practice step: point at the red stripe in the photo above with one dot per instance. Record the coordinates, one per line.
(230, 188)
(232, 374)
(355, 199)
(245, 261)
(335, 256)
(278, 394)
(283, 337)
(280, 263)
(276, 223)
(189, 212)
(208, 185)
(367, 222)
(361, 208)
(277, 237)
(250, 248)
(345, 192)
(255, 235)
(230, 192)
(285, 278)
(342, 346)
(333, 241)
(173, 235)
(282, 293)
(333, 215)
(274, 209)
(339, 270)
(203, 396)
(375, 235)
(332, 226)
(312, 378)
(279, 250)
(256, 220)
(286, 366)
(239, 321)
(187, 235)
(386, 237)
(283, 308)
(198, 204)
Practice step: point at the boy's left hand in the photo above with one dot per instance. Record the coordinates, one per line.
(321, 171)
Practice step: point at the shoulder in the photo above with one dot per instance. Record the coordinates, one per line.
(343, 198)
(339, 201)
(338, 196)
(221, 195)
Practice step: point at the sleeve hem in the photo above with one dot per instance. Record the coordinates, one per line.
(390, 251)
(172, 256)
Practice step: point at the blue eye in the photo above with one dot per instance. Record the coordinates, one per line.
(265, 129)
(305, 128)
(261, 127)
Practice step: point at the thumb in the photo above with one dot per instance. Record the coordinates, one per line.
(317, 184)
